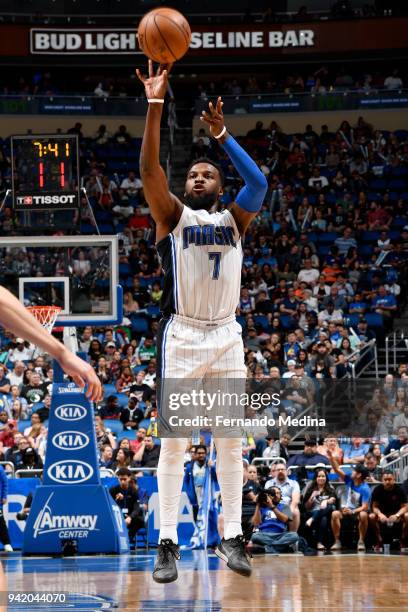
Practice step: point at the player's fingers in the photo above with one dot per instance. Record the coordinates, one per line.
(78, 380)
(151, 71)
(219, 104)
(140, 75)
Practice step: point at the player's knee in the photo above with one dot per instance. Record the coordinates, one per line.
(363, 516)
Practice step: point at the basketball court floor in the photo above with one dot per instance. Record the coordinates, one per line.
(285, 582)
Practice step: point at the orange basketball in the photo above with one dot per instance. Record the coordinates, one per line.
(164, 35)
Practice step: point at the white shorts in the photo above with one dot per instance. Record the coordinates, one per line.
(187, 348)
(200, 357)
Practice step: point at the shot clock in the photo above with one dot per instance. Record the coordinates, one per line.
(45, 172)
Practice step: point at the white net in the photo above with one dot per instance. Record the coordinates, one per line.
(46, 315)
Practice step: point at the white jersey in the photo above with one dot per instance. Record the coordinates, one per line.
(202, 262)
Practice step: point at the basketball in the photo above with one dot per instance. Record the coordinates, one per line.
(164, 35)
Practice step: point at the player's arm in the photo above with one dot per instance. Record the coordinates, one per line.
(250, 198)
(165, 207)
(15, 318)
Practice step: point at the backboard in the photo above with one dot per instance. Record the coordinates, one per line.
(77, 273)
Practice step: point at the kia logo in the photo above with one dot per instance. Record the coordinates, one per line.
(70, 471)
(70, 440)
(70, 412)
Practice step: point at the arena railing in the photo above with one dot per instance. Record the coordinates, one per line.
(28, 473)
(309, 101)
(357, 357)
(397, 461)
(11, 465)
(267, 460)
(395, 343)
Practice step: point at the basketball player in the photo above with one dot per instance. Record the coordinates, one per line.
(18, 320)
(199, 337)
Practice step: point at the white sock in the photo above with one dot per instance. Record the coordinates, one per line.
(229, 474)
(170, 473)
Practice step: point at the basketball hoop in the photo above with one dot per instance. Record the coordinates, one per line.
(46, 315)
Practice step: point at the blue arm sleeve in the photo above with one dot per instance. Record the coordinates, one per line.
(252, 195)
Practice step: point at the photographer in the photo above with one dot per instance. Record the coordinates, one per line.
(128, 501)
(271, 519)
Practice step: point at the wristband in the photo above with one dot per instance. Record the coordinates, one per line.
(155, 100)
(224, 129)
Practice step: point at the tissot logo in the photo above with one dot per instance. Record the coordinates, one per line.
(38, 200)
(70, 471)
(70, 412)
(70, 440)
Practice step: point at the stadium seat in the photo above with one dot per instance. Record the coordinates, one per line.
(109, 390)
(139, 324)
(127, 433)
(374, 320)
(114, 425)
(23, 424)
(123, 399)
(262, 320)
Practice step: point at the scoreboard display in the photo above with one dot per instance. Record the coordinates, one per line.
(45, 171)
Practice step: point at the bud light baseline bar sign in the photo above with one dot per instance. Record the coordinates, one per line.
(72, 504)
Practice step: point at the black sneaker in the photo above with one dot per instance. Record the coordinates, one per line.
(165, 568)
(233, 552)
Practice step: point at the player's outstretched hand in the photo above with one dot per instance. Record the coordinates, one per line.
(155, 84)
(214, 117)
(82, 373)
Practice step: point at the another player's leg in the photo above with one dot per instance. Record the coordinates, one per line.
(170, 474)
(229, 473)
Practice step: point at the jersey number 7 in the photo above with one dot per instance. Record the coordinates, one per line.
(216, 256)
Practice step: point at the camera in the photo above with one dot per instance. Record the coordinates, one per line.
(263, 497)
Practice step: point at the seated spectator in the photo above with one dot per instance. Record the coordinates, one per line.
(22, 351)
(331, 444)
(372, 464)
(8, 432)
(122, 136)
(123, 459)
(125, 380)
(317, 182)
(35, 391)
(148, 454)
(346, 241)
(14, 453)
(309, 456)
(103, 372)
(320, 500)
(271, 518)
(290, 491)
(126, 496)
(330, 315)
(308, 274)
(353, 503)
(146, 349)
(131, 185)
(397, 443)
(16, 376)
(35, 420)
(131, 415)
(384, 303)
(111, 409)
(106, 457)
(401, 420)
(103, 436)
(30, 460)
(140, 436)
(389, 510)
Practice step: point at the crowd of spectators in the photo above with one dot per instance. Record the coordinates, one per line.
(324, 273)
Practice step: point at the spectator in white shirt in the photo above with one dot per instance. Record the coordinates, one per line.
(393, 81)
(330, 315)
(308, 274)
(17, 374)
(22, 352)
(317, 181)
(131, 184)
